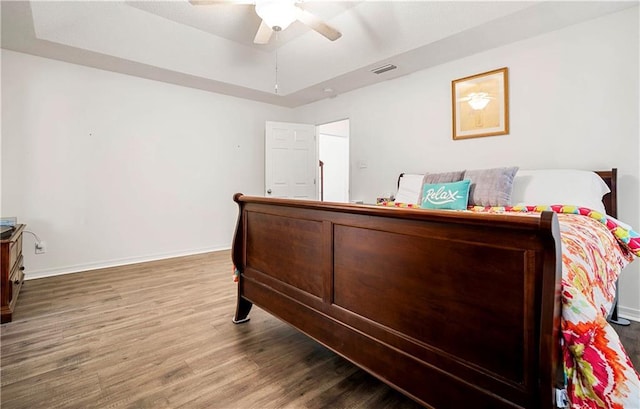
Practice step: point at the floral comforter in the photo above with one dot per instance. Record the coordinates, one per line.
(595, 248)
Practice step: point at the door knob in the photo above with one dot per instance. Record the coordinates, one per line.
(268, 191)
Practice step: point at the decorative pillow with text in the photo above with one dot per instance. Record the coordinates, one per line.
(453, 195)
(445, 177)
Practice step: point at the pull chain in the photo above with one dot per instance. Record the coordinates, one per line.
(276, 87)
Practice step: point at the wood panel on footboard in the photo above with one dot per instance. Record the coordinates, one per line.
(452, 309)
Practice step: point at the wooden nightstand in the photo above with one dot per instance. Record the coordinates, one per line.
(12, 275)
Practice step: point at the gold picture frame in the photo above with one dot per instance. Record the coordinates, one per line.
(480, 104)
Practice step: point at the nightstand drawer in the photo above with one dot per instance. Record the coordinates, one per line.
(15, 251)
(16, 278)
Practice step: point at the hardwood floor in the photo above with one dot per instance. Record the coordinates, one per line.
(159, 335)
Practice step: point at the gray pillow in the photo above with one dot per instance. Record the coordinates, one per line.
(491, 187)
(444, 177)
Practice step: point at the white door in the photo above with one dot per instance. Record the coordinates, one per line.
(291, 160)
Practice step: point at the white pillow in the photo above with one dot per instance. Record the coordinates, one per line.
(410, 189)
(559, 186)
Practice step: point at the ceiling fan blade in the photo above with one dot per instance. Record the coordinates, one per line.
(318, 25)
(264, 34)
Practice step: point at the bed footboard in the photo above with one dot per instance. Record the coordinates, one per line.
(451, 308)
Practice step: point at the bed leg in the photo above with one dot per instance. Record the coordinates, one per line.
(621, 321)
(613, 316)
(242, 311)
(614, 319)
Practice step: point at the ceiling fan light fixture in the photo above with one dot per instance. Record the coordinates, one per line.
(277, 14)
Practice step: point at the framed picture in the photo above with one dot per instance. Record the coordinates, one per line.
(481, 105)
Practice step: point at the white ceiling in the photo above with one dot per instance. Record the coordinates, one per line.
(211, 48)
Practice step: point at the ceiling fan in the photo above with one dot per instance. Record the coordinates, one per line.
(277, 15)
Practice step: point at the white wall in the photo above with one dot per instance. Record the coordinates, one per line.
(574, 104)
(110, 169)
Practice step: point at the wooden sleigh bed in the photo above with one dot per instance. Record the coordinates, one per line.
(453, 309)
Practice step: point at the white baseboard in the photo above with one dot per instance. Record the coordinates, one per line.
(629, 313)
(32, 275)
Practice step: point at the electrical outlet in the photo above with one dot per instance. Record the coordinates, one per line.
(41, 247)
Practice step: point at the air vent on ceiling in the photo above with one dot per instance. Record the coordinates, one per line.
(383, 68)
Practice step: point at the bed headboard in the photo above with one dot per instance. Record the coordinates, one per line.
(610, 200)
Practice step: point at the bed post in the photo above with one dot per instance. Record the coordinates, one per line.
(610, 201)
(243, 306)
(551, 367)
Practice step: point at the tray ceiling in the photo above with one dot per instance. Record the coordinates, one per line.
(211, 47)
